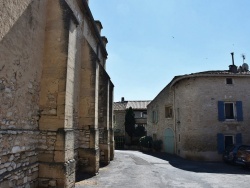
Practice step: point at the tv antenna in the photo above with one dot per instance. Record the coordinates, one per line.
(243, 57)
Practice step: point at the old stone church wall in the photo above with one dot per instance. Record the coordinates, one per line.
(21, 51)
(54, 103)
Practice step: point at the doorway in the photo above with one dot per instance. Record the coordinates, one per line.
(169, 141)
(229, 140)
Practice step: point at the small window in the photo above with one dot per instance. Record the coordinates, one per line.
(114, 119)
(230, 111)
(154, 137)
(168, 112)
(154, 116)
(229, 80)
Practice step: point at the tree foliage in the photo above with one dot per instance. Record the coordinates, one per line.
(140, 131)
(130, 122)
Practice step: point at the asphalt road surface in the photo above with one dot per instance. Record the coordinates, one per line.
(153, 170)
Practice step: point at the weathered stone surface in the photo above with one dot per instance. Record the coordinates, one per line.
(51, 107)
(195, 123)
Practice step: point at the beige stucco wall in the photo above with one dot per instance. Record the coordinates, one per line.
(195, 104)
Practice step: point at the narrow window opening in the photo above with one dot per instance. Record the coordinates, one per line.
(168, 112)
(229, 111)
(229, 80)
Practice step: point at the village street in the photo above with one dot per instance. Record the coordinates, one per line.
(136, 169)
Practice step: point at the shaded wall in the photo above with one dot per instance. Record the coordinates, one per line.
(21, 53)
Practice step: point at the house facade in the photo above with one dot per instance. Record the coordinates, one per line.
(140, 112)
(55, 94)
(198, 115)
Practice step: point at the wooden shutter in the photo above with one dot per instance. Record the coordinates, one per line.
(220, 143)
(221, 113)
(238, 138)
(239, 110)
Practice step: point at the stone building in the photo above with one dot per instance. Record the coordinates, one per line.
(198, 115)
(56, 98)
(140, 111)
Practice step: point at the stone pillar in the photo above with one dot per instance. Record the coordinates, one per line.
(110, 121)
(56, 143)
(103, 117)
(88, 148)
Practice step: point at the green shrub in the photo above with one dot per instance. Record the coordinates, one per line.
(146, 141)
(157, 144)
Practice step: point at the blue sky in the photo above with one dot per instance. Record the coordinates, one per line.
(151, 41)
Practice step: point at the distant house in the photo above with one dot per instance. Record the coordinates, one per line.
(140, 111)
(198, 115)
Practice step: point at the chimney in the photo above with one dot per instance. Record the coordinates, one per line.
(122, 100)
(104, 40)
(98, 25)
(233, 68)
(232, 57)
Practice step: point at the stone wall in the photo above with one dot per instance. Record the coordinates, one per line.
(199, 123)
(21, 32)
(119, 128)
(157, 129)
(195, 121)
(51, 53)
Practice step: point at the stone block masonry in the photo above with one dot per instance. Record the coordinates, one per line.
(55, 94)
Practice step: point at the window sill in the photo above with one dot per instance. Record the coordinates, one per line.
(235, 122)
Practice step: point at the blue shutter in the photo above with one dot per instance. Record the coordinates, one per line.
(221, 114)
(239, 110)
(220, 143)
(238, 138)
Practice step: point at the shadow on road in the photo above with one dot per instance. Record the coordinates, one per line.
(200, 166)
(80, 176)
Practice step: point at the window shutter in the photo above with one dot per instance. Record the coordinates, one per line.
(239, 110)
(220, 143)
(238, 138)
(156, 119)
(221, 114)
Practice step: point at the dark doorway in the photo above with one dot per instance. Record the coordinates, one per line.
(228, 140)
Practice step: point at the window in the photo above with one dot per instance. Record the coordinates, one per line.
(224, 140)
(168, 112)
(229, 80)
(154, 137)
(228, 140)
(154, 116)
(230, 111)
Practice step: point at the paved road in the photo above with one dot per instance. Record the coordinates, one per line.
(136, 169)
